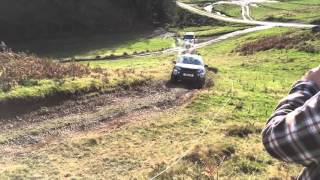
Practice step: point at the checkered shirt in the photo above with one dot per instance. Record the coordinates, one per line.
(292, 134)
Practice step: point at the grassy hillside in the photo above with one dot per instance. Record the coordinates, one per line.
(219, 129)
(123, 119)
(229, 10)
(293, 10)
(283, 11)
(209, 30)
(26, 78)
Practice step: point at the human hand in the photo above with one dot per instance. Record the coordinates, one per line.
(313, 75)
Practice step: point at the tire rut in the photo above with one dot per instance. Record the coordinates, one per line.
(89, 112)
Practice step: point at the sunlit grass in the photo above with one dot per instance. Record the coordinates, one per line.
(230, 10)
(209, 31)
(97, 45)
(246, 91)
(130, 47)
(283, 11)
(304, 11)
(49, 87)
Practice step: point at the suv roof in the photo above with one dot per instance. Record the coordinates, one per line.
(190, 33)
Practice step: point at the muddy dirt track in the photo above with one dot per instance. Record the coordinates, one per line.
(87, 112)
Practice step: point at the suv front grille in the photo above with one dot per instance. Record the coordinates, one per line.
(188, 71)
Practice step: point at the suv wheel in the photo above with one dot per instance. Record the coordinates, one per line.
(201, 84)
(174, 78)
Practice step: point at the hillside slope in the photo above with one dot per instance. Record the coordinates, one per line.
(136, 133)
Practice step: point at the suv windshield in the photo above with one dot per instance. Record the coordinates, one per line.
(188, 37)
(190, 60)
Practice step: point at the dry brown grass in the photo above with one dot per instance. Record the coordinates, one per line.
(203, 162)
(298, 41)
(17, 68)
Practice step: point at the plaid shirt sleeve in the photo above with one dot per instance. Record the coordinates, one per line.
(292, 134)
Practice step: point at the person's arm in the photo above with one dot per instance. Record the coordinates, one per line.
(292, 134)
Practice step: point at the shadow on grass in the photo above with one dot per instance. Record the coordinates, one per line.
(73, 46)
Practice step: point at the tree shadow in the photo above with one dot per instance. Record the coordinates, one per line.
(75, 45)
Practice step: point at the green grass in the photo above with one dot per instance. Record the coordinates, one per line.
(140, 45)
(140, 149)
(283, 11)
(209, 31)
(256, 82)
(113, 73)
(93, 46)
(49, 87)
(229, 10)
(146, 63)
(157, 67)
(293, 10)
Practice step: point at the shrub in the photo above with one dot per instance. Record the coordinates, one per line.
(298, 41)
(23, 69)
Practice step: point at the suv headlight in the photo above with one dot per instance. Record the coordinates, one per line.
(176, 70)
(201, 73)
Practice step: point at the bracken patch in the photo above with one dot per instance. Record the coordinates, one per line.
(300, 41)
(20, 68)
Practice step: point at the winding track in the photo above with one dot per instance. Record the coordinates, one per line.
(247, 19)
(244, 4)
(241, 21)
(262, 25)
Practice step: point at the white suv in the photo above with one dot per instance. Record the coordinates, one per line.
(189, 37)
